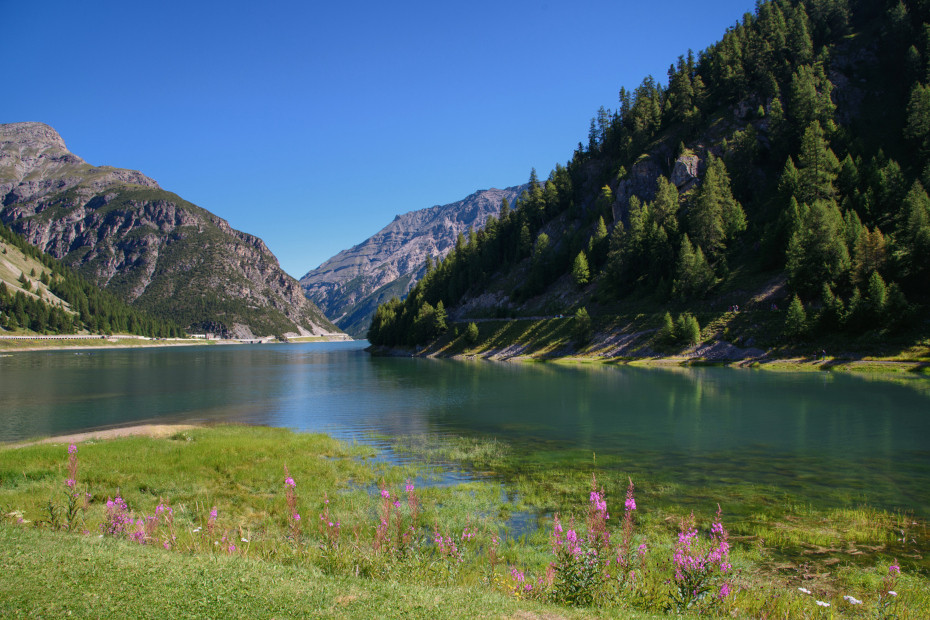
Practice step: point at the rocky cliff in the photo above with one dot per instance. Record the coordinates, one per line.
(149, 246)
(350, 285)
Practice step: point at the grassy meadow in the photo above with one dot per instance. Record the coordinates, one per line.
(264, 522)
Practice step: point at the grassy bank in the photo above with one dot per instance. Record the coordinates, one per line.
(265, 522)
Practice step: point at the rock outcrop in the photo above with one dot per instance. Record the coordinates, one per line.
(350, 285)
(148, 246)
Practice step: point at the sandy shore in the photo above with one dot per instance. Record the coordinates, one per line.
(158, 431)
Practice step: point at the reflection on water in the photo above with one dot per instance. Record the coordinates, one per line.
(814, 435)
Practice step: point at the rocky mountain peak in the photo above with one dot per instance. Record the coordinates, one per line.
(31, 134)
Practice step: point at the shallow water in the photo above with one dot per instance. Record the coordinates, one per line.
(812, 438)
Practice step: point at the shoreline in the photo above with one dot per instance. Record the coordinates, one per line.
(137, 344)
(865, 364)
(156, 431)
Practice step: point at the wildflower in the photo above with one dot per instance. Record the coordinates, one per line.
(409, 487)
(245, 540)
(894, 569)
(296, 517)
(213, 514)
(385, 494)
(724, 591)
(72, 466)
(804, 590)
(396, 503)
(892, 593)
(290, 482)
(852, 600)
(823, 604)
(642, 549)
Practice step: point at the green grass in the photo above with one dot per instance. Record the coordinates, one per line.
(49, 574)
(276, 570)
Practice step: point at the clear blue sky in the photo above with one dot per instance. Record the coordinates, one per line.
(313, 124)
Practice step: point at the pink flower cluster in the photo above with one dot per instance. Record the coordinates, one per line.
(698, 566)
(118, 520)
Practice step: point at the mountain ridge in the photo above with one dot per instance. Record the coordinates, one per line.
(349, 285)
(149, 246)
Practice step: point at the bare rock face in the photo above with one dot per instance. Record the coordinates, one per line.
(148, 246)
(639, 182)
(349, 286)
(685, 172)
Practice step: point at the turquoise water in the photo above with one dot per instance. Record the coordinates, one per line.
(817, 438)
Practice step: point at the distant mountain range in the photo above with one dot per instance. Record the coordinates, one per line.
(349, 286)
(148, 246)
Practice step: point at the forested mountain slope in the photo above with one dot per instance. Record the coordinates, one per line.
(784, 166)
(349, 286)
(145, 245)
(40, 294)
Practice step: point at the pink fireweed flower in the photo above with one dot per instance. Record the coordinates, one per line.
(290, 482)
(72, 466)
(396, 503)
(385, 494)
(642, 549)
(894, 569)
(213, 514)
(724, 591)
(409, 487)
(296, 517)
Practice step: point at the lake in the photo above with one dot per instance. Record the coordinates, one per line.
(812, 438)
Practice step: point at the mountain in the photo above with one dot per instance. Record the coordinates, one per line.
(783, 171)
(148, 246)
(350, 285)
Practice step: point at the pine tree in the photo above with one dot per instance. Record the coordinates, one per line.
(876, 297)
(818, 166)
(913, 234)
(693, 275)
(580, 272)
(716, 217)
(666, 333)
(471, 334)
(582, 326)
(917, 129)
(795, 319)
(817, 253)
